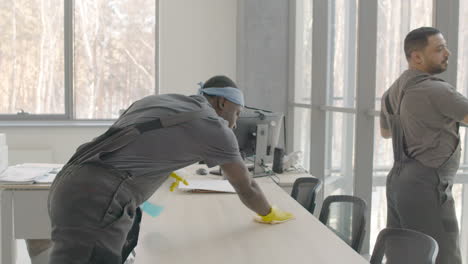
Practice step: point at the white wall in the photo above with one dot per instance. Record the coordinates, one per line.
(197, 40)
(46, 144)
(263, 50)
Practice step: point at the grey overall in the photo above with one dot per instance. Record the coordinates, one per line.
(420, 197)
(92, 205)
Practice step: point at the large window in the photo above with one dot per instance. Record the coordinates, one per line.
(340, 91)
(462, 82)
(461, 189)
(76, 59)
(32, 57)
(327, 116)
(302, 92)
(340, 100)
(339, 168)
(303, 80)
(342, 53)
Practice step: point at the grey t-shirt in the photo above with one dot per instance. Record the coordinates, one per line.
(155, 154)
(429, 113)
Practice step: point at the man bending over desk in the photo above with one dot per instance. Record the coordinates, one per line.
(94, 199)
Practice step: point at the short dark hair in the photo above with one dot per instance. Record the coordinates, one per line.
(219, 81)
(417, 39)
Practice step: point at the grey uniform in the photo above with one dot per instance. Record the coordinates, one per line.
(93, 200)
(423, 112)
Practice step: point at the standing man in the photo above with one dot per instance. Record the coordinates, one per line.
(93, 201)
(421, 113)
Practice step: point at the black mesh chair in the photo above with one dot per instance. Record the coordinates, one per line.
(345, 215)
(404, 246)
(304, 191)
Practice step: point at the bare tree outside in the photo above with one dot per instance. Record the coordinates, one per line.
(114, 55)
(114, 44)
(303, 72)
(31, 57)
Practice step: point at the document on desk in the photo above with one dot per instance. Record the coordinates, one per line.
(30, 173)
(208, 186)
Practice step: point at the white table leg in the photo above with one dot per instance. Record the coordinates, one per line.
(8, 242)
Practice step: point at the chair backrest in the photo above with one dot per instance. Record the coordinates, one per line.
(304, 191)
(345, 215)
(404, 246)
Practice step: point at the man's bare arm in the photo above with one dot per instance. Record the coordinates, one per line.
(386, 133)
(248, 190)
(465, 120)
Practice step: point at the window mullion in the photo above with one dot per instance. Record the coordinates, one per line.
(157, 89)
(68, 57)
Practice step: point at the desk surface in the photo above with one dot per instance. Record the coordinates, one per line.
(218, 228)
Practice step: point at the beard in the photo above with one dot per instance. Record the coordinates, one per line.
(439, 67)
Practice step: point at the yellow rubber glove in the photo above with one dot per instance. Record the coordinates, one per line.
(177, 180)
(276, 216)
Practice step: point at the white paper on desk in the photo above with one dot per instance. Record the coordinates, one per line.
(208, 185)
(29, 173)
(41, 165)
(46, 178)
(20, 174)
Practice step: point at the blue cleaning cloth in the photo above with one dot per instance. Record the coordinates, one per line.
(151, 209)
(232, 94)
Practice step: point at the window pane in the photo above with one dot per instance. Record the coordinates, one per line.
(461, 197)
(396, 18)
(303, 70)
(114, 55)
(462, 75)
(460, 194)
(339, 162)
(302, 134)
(343, 37)
(383, 161)
(31, 57)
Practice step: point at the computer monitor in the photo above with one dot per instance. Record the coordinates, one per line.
(258, 133)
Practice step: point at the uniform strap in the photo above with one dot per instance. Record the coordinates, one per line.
(170, 120)
(388, 105)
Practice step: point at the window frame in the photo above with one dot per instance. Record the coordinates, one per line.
(69, 115)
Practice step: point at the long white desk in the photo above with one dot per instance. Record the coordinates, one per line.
(194, 228)
(24, 215)
(218, 228)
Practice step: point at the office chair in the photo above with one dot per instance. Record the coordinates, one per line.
(345, 215)
(404, 246)
(304, 192)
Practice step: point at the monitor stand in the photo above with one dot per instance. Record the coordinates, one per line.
(260, 167)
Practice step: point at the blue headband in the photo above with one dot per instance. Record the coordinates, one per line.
(232, 94)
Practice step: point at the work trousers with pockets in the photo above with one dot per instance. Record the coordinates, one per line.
(92, 211)
(420, 198)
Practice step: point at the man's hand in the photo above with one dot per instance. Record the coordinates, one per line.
(177, 180)
(385, 133)
(276, 216)
(465, 120)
